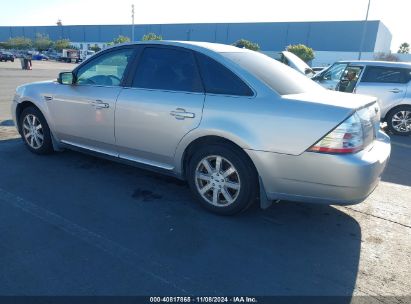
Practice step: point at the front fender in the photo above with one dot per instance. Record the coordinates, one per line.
(37, 93)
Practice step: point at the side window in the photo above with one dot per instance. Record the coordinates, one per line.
(167, 69)
(334, 72)
(220, 80)
(106, 70)
(386, 75)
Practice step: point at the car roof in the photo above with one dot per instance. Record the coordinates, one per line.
(215, 47)
(378, 63)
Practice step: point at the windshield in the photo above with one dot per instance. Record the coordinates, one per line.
(279, 77)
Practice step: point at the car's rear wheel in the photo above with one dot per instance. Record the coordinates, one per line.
(222, 179)
(35, 131)
(399, 120)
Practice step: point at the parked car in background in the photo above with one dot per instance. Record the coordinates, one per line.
(40, 56)
(295, 62)
(18, 54)
(388, 81)
(232, 122)
(6, 56)
(52, 55)
(318, 69)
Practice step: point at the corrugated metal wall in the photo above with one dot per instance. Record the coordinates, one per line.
(344, 36)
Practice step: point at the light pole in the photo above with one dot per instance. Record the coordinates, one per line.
(364, 30)
(132, 23)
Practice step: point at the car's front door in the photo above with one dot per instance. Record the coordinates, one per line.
(389, 84)
(83, 113)
(163, 102)
(330, 78)
(349, 78)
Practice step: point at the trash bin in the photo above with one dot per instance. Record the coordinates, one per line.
(22, 63)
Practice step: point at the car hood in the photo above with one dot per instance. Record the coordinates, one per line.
(298, 64)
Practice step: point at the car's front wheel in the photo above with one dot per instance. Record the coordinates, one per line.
(222, 179)
(399, 120)
(35, 131)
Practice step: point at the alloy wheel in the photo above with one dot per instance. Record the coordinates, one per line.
(33, 131)
(217, 180)
(401, 121)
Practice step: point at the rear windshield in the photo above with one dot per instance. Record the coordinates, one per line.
(281, 78)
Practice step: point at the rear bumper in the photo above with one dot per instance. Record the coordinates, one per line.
(323, 178)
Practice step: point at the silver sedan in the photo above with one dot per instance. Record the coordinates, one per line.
(236, 124)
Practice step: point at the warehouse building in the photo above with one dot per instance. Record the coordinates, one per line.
(331, 40)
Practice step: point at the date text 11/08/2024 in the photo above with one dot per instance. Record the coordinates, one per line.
(203, 300)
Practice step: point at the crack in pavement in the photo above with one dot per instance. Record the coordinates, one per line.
(376, 216)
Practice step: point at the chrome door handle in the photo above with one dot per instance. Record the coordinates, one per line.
(395, 91)
(99, 104)
(180, 113)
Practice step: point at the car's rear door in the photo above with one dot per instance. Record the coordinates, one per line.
(388, 84)
(83, 113)
(163, 102)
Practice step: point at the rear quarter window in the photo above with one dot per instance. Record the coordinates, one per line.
(220, 80)
(276, 75)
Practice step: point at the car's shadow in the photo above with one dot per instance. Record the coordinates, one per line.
(289, 249)
(398, 170)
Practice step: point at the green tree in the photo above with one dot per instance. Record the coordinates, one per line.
(4, 45)
(404, 48)
(243, 43)
(151, 36)
(304, 52)
(61, 44)
(19, 43)
(95, 48)
(120, 39)
(42, 42)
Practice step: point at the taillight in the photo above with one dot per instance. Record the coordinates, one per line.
(348, 137)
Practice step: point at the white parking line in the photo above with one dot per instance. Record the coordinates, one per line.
(401, 144)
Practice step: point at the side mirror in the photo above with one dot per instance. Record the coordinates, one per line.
(66, 78)
(317, 77)
(309, 72)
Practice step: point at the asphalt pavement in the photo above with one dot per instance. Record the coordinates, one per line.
(73, 224)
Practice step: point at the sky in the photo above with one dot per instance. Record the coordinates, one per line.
(395, 14)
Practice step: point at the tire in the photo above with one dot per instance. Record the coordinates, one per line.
(399, 120)
(37, 139)
(226, 194)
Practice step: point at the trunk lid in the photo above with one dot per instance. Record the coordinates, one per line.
(337, 103)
